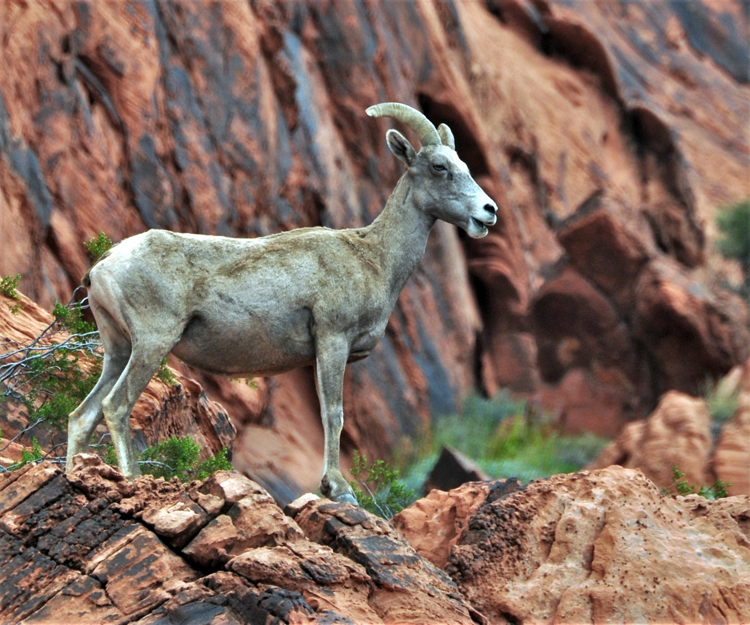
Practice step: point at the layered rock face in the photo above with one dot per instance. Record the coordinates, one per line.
(606, 132)
(91, 547)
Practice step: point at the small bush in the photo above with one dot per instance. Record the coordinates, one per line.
(378, 488)
(51, 376)
(506, 439)
(721, 405)
(479, 418)
(98, 246)
(71, 318)
(27, 456)
(529, 450)
(178, 457)
(35, 453)
(164, 373)
(734, 224)
(175, 457)
(58, 385)
(219, 462)
(49, 379)
(8, 286)
(680, 486)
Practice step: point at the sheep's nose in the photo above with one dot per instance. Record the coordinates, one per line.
(491, 208)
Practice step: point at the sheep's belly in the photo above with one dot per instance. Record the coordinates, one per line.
(242, 358)
(224, 345)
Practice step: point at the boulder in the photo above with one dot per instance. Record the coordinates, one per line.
(731, 457)
(452, 469)
(407, 588)
(678, 433)
(681, 433)
(584, 548)
(591, 547)
(434, 524)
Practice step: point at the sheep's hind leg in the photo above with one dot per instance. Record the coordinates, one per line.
(331, 357)
(144, 362)
(83, 420)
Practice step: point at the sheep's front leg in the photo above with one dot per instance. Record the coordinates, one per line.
(332, 354)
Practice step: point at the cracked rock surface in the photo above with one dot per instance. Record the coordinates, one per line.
(92, 547)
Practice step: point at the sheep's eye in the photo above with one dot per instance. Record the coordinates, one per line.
(439, 167)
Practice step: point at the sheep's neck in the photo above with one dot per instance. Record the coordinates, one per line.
(400, 233)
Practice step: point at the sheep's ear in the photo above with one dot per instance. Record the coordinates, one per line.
(400, 146)
(446, 136)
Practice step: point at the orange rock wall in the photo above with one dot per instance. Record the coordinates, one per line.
(606, 132)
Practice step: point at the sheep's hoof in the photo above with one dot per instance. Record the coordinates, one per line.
(347, 498)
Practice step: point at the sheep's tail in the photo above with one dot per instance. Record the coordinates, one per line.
(86, 280)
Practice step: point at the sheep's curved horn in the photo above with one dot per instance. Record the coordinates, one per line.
(446, 135)
(424, 128)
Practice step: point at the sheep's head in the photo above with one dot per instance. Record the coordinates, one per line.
(441, 182)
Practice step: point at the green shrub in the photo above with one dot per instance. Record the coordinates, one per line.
(71, 318)
(35, 453)
(98, 246)
(721, 404)
(58, 385)
(536, 450)
(505, 439)
(171, 458)
(27, 456)
(164, 373)
(8, 286)
(211, 465)
(479, 418)
(378, 488)
(734, 224)
(178, 457)
(680, 486)
(716, 491)
(49, 379)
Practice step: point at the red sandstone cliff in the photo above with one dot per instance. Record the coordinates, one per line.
(607, 132)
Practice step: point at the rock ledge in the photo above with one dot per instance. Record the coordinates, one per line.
(91, 547)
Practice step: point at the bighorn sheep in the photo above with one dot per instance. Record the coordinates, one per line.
(267, 305)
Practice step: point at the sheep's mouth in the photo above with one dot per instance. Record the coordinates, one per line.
(479, 227)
